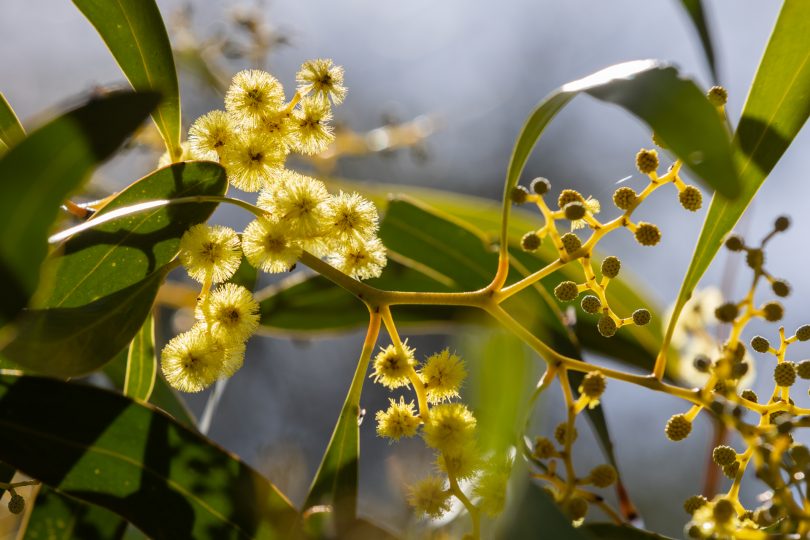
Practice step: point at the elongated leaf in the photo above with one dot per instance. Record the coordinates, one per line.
(11, 131)
(609, 531)
(38, 173)
(136, 462)
(694, 9)
(104, 280)
(535, 514)
(777, 107)
(141, 362)
(59, 517)
(135, 34)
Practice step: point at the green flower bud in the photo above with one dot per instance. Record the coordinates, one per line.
(571, 242)
(574, 210)
(773, 311)
(606, 326)
(17, 504)
(784, 374)
(780, 287)
(566, 291)
(781, 224)
(678, 428)
(735, 243)
(641, 317)
(540, 185)
(560, 432)
(569, 196)
(603, 476)
(591, 304)
(611, 266)
(693, 503)
(530, 241)
(727, 312)
(544, 448)
(717, 96)
(724, 455)
(803, 369)
(750, 395)
(647, 234)
(519, 194)
(755, 258)
(647, 161)
(691, 198)
(803, 333)
(760, 344)
(576, 508)
(593, 385)
(624, 198)
(723, 511)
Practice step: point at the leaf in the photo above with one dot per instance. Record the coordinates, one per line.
(124, 456)
(141, 362)
(609, 531)
(136, 36)
(534, 513)
(777, 107)
(11, 131)
(697, 15)
(59, 517)
(38, 173)
(6, 474)
(104, 279)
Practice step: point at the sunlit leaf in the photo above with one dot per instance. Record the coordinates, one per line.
(59, 517)
(141, 362)
(777, 107)
(11, 131)
(135, 34)
(128, 458)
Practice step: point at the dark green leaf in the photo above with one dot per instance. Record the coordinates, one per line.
(6, 474)
(136, 462)
(609, 531)
(535, 514)
(38, 173)
(135, 34)
(11, 131)
(694, 9)
(104, 279)
(141, 362)
(777, 107)
(59, 517)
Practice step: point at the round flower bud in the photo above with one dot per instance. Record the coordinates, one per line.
(544, 448)
(571, 242)
(717, 96)
(530, 241)
(730, 471)
(694, 532)
(723, 511)
(803, 369)
(803, 333)
(574, 210)
(540, 185)
(739, 370)
(702, 363)
(577, 508)
(569, 196)
(724, 455)
(611, 266)
(734, 243)
(784, 374)
(691, 198)
(591, 304)
(760, 344)
(566, 291)
(658, 141)
(593, 385)
(773, 311)
(606, 326)
(693, 503)
(755, 258)
(603, 476)
(17, 504)
(647, 161)
(560, 432)
(641, 317)
(800, 455)
(750, 395)
(647, 234)
(781, 224)
(519, 194)
(624, 198)
(678, 428)
(727, 312)
(780, 287)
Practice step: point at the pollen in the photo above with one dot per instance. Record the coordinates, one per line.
(229, 313)
(268, 246)
(192, 361)
(398, 421)
(252, 160)
(209, 135)
(442, 374)
(311, 122)
(361, 261)
(321, 77)
(210, 252)
(392, 366)
(253, 94)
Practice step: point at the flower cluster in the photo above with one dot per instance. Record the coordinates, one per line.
(252, 138)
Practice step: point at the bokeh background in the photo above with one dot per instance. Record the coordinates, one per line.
(477, 69)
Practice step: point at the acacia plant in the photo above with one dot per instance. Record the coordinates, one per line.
(130, 459)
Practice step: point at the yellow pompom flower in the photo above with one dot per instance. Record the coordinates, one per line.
(322, 78)
(430, 497)
(279, 126)
(398, 421)
(391, 367)
(462, 463)
(229, 313)
(209, 135)
(210, 252)
(252, 159)
(253, 94)
(450, 427)
(234, 359)
(193, 360)
(442, 375)
(352, 218)
(311, 121)
(300, 202)
(361, 261)
(491, 490)
(166, 158)
(268, 246)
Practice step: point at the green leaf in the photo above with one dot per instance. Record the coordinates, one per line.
(141, 362)
(105, 449)
(136, 36)
(59, 517)
(777, 107)
(656, 94)
(694, 9)
(609, 531)
(11, 131)
(534, 512)
(103, 280)
(39, 172)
